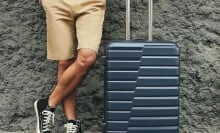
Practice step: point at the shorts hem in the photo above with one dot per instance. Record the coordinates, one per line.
(96, 50)
(60, 58)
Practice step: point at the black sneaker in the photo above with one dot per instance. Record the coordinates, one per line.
(73, 127)
(45, 117)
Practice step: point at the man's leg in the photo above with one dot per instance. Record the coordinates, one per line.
(69, 102)
(72, 76)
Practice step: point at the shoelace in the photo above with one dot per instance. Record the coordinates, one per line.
(48, 120)
(71, 128)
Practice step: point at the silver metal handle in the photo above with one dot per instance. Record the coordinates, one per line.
(150, 20)
(128, 20)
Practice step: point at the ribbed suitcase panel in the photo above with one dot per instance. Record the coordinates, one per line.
(148, 130)
(143, 71)
(117, 125)
(155, 101)
(144, 61)
(142, 112)
(122, 75)
(118, 85)
(154, 111)
(121, 95)
(158, 71)
(157, 81)
(124, 125)
(169, 129)
(149, 50)
(118, 115)
(119, 105)
(160, 50)
(142, 87)
(126, 54)
(142, 92)
(159, 61)
(142, 102)
(153, 121)
(123, 65)
(157, 91)
(116, 132)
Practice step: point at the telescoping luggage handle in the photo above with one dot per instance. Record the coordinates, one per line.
(150, 20)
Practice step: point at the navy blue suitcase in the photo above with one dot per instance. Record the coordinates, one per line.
(141, 84)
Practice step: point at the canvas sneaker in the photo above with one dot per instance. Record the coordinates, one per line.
(73, 127)
(45, 117)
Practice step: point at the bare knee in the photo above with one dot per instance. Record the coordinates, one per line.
(86, 58)
(64, 63)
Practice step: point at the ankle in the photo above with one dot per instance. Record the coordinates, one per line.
(50, 103)
(50, 108)
(72, 121)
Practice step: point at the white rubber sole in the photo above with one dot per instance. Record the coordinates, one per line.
(36, 111)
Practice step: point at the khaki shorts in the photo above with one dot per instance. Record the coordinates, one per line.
(68, 19)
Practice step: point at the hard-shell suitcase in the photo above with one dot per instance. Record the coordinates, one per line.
(141, 84)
